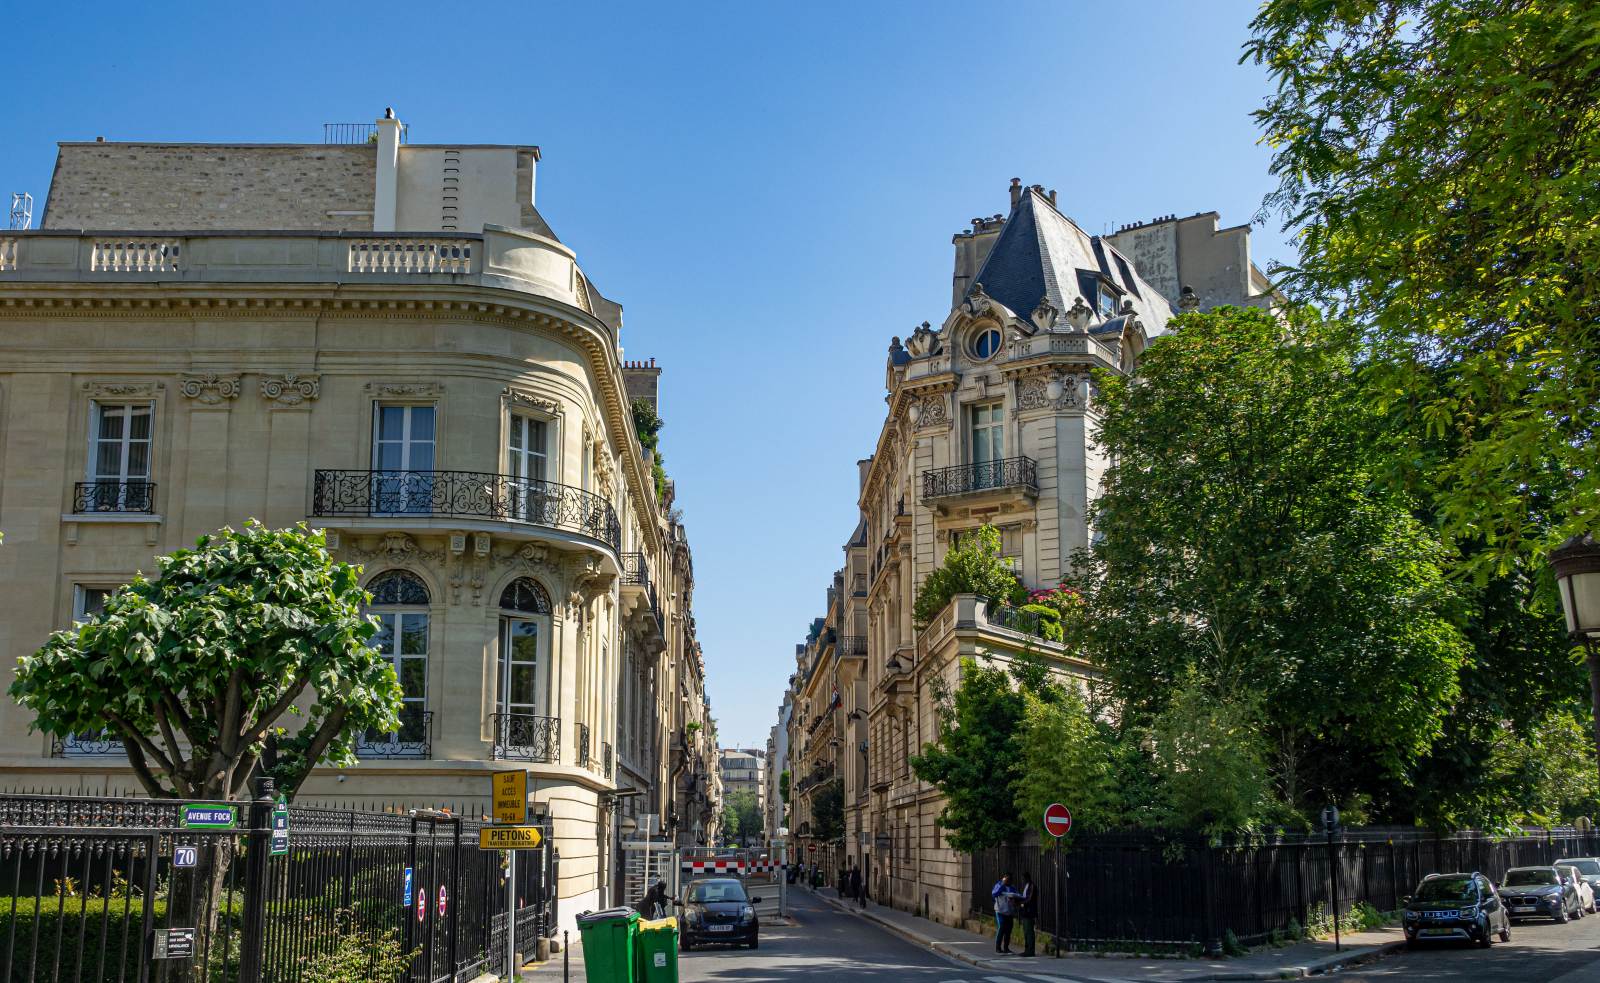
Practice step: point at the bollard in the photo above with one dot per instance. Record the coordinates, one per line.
(566, 963)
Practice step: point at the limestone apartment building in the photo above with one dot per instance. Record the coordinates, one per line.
(989, 420)
(386, 341)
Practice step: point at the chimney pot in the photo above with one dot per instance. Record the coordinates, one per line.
(1016, 191)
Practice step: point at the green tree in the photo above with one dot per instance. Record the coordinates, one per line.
(972, 566)
(648, 423)
(1439, 160)
(199, 668)
(827, 812)
(1211, 762)
(973, 759)
(742, 806)
(1243, 540)
(1065, 755)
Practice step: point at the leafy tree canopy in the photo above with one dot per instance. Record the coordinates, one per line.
(1440, 159)
(827, 812)
(973, 760)
(741, 817)
(197, 669)
(972, 566)
(1066, 756)
(1242, 540)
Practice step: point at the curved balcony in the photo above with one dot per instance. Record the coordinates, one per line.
(1021, 473)
(466, 495)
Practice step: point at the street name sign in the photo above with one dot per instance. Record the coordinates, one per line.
(185, 856)
(280, 829)
(510, 796)
(207, 816)
(509, 838)
(1057, 820)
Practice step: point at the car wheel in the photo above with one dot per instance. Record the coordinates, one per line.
(755, 942)
(1505, 933)
(1562, 917)
(1485, 937)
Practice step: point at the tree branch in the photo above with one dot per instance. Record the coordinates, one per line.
(258, 730)
(241, 773)
(143, 744)
(319, 743)
(231, 710)
(176, 763)
(141, 768)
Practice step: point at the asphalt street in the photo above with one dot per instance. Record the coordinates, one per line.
(1539, 952)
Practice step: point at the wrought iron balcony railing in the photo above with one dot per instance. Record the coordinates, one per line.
(526, 737)
(853, 645)
(605, 758)
(466, 495)
(113, 496)
(636, 573)
(411, 740)
(1012, 472)
(90, 745)
(583, 745)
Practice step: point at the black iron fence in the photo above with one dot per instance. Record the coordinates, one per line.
(97, 890)
(1011, 472)
(1182, 892)
(466, 494)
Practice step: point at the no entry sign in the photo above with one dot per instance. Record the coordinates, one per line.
(1057, 820)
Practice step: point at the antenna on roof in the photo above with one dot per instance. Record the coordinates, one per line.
(21, 211)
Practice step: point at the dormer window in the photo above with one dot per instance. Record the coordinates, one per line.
(986, 344)
(1100, 293)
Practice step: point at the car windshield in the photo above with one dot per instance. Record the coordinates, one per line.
(1584, 866)
(710, 892)
(1446, 889)
(1534, 877)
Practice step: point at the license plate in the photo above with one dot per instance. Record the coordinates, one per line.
(1438, 931)
(719, 928)
(1523, 908)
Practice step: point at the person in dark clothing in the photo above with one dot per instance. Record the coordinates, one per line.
(1005, 909)
(1028, 911)
(656, 904)
(858, 885)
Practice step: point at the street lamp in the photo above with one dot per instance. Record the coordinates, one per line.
(1576, 564)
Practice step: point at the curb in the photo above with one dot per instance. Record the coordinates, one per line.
(1316, 967)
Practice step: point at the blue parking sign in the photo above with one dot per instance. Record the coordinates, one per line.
(407, 890)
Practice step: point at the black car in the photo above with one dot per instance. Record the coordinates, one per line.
(716, 909)
(1540, 892)
(1456, 906)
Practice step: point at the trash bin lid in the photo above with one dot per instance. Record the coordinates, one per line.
(609, 915)
(667, 924)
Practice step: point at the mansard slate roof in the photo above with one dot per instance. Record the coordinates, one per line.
(1038, 255)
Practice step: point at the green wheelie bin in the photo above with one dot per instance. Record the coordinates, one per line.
(657, 950)
(608, 940)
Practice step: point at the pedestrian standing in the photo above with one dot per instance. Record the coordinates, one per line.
(1005, 909)
(1028, 911)
(854, 880)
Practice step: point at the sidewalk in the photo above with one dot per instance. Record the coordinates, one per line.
(1291, 962)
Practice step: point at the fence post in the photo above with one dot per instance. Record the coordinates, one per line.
(455, 894)
(252, 936)
(418, 888)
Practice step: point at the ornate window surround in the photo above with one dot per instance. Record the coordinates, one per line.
(403, 393)
(518, 401)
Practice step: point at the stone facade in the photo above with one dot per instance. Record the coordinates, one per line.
(989, 421)
(1196, 252)
(449, 409)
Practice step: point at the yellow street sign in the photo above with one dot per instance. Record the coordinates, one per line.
(509, 837)
(510, 796)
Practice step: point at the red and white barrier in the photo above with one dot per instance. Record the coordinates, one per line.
(714, 866)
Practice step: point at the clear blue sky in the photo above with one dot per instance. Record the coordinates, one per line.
(768, 189)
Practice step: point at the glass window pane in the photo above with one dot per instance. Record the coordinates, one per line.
(421, 423)
(138, 460)
(414, 634)
(108, 460)
(383, 638)
(139, 423)
(414, 677)
(524, 648)
(391, 422)
(111, 423)
(516, 432)
(522, 678)
(388, 457)
(421, 458)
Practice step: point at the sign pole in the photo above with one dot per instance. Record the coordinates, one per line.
(511, 915)
(1058, 822)
(1060, 900)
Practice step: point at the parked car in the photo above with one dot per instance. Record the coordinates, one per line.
(716, 909)
(1456, 906)
(1588, 869)
(1585, 892)
(1540, 892)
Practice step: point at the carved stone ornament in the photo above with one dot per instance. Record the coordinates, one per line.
(1044, 315)
(211, 388)
(924, 341)
(405, 388)
(394, 547)
(935, 413)
(291, 389)
(123, 388)
(520, 397)
(1033, 393)
(604, 472)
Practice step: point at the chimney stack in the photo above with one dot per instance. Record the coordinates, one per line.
(386, 192)
(1016, 191)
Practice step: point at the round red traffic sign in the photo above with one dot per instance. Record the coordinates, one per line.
(422, 904)
(811, 848)
(444, 899)
(1057, 820)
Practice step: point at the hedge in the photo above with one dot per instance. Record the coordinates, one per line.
(63, 919)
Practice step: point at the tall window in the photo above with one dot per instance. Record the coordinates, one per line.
(400, 603)
(87, 602)
(987, 440)
(402, 448)
(526, 448)
(519, 685)
(119, 457)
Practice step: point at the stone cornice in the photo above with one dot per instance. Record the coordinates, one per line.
(386, 301)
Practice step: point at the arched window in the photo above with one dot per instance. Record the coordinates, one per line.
(523, 728)
(525, 595)
(400, 603)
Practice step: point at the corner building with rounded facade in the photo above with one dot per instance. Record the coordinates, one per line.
(384, 341)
